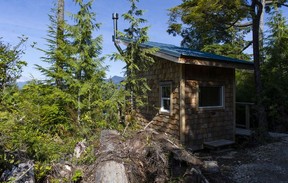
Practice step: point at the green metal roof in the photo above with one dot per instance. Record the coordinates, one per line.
(177, 51)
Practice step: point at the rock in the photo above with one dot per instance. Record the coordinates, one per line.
(79, 149)
(111, 172)
(211, 166)
(194, 176)
(24, 172)
(62, 171)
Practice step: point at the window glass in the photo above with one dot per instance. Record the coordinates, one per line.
(165, 97)
(211, 96)
(166, 104)
(166, 91)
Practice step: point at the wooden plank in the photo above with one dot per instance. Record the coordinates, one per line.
(243, 132)
(247, 116)
(218, 143)
(216, 63)
(182, 105)
(234, 103)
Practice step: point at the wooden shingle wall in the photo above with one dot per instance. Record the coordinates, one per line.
(161, 71)
(204, 125)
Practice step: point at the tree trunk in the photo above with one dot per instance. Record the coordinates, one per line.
(257, 10)
(135, 160)
(78, 107)
(110, 171)
(59, 39)
(261, 31)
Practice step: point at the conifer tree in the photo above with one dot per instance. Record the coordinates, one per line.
(137, 58)
(87, 72)
(57, 54)
(275, 76)
(74, 58)
(10, 63)
(60, 39)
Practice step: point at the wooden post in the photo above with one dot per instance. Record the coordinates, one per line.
(247, 116)
(182, 104)
(234, 105)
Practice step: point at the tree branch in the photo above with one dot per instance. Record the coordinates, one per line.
(249, 44)
(247, 24)
(278, 4)
(283, 4)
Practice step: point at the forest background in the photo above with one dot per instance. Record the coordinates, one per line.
(46, 118)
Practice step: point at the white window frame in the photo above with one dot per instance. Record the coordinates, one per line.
(162, 85)
(222, 100)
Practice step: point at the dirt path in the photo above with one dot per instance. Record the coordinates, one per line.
(262, 164)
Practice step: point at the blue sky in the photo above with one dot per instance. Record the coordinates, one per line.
(30, 17)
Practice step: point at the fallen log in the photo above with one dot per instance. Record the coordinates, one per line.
(144, 157)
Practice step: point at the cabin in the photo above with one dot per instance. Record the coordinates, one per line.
(192, 95)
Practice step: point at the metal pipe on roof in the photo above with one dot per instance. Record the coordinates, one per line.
(115, 27)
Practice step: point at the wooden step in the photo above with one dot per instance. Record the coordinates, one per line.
(243, 132)
(218, 143)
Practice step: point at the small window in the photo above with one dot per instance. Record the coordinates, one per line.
(211, 96)
(165, 92)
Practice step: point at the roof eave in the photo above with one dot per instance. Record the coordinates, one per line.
(182, 59)
(204, 62)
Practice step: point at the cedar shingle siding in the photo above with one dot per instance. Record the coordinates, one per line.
(201, 124)
(214, 123)
(162, 71)
(186, 71)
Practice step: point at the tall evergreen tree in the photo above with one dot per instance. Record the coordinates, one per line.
(59, 41)
(87, 72)
(137, 58)
(275, 73)
(74, 58)
(57, 54)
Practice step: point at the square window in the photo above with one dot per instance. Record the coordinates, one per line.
(211, 96)
(165, 92)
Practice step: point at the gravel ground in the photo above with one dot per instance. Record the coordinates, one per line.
(263, 164)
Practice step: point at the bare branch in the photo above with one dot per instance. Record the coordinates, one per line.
(282, 4)
(277, 3)
(246, 24)
(247, 46)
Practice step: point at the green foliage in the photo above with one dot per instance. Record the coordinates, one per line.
(41, 170)
(137, 58)
(74, 59)
(10, 63)
(77, 176)
(205, 22)
(45, 119)
(35, 125)
(57, 54)
(245, 86)
(220, 27)
(275, 74)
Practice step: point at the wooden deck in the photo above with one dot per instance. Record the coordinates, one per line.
(248, 133)
(218, 143)
(243, 132)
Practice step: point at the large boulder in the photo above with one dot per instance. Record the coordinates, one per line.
(24, 172)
